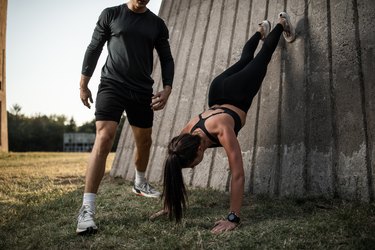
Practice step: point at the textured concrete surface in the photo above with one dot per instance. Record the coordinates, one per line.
(3, 109)
(310, 130)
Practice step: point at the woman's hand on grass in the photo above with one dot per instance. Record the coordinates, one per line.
(223, 226)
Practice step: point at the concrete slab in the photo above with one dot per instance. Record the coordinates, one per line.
(351, 168)
(267, 115)
(202, 172)
(221, 179)
(293, 108)
(366, 30)
(319, 125)
(116, 170)
(157, 169)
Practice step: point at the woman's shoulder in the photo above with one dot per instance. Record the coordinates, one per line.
(189, 125)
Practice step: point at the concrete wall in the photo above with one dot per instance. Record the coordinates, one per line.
(311, 128)
(3, 110)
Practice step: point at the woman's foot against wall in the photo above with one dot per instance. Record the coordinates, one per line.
(289, 31)
(264, 29)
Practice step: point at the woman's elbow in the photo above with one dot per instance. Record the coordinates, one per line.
(239, 178)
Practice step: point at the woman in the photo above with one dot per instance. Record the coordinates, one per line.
(229, 99)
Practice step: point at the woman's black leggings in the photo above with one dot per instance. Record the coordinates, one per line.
(241, 82)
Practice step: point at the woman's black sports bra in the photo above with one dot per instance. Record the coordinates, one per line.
(201, 121)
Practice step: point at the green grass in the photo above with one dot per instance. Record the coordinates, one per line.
(40, 195)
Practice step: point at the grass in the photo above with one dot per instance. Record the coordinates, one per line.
(40, 195)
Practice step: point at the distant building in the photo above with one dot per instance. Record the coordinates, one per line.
(78, 142)
(3, 110)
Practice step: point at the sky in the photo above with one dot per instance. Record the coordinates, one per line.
(45, 45)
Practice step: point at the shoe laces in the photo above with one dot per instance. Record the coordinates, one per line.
(86, 213)
(147, 187)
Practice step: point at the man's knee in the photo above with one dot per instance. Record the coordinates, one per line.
(104, 138)
(105, 133)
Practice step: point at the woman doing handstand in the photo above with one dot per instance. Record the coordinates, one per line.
(230, 96)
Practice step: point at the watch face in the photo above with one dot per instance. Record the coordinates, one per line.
(231, 217)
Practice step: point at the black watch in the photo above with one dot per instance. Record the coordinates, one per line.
(232, 217)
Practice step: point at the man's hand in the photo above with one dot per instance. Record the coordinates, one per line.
(86, 96)
(159, 100)
(223, 226)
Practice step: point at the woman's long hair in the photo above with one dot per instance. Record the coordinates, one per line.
(182, 150)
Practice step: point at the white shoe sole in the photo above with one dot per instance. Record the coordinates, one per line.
(87, 231)
(140, 193)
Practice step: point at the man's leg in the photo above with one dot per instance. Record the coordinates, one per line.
(105, 134)
(142, 137)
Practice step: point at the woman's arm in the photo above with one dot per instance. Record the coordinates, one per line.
(229, 141)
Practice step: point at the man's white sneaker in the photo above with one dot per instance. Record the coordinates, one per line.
(289, 31)
(146, 190)
(86, 224)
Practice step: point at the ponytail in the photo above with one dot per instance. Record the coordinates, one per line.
(182, 150)
(174, 191)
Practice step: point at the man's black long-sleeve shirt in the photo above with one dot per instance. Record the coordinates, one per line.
(131, 38)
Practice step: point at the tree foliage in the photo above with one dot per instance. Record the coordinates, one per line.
(45, 133)
(37, 133)
(87, 127)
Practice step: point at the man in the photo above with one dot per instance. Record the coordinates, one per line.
(132, 32)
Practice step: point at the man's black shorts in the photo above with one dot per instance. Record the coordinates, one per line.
(113, 99)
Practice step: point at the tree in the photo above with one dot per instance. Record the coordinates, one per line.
(44, 133)
(87, 127)
(71, 127)
(16, 109)
(36, 133)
